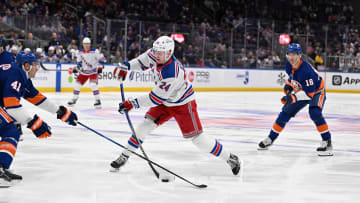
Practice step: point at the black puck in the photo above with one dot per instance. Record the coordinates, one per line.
(165, 180)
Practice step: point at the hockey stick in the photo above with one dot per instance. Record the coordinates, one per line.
(43, 67)
(139, 155)
(133, 132)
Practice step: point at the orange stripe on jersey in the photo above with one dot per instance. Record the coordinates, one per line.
(5, 115)
(7, 146)
(321, 86)
(277, 128)
(44, 135)
(37, 99)
(321, 99)
(295, 69)
(322, 128)
(311, 94)
(11, 101)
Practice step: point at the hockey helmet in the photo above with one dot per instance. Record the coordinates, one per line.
(22, 58)
(86, 40)
(165, 44)
(294, 48)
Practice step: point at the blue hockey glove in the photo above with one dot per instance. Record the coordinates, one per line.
(66, 115)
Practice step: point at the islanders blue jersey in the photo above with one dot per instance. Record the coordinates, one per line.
(6, 57)
(304, 77)
(14, 85)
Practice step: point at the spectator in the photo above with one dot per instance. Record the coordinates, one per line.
(54, 42)
(115, 59)
(209, 63)
(39, 55)
(30, 42)
(318, 60)
(50, 56)
(14, 50)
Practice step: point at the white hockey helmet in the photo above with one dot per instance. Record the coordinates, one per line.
(165, 44)
(86, 40)
(39, 50)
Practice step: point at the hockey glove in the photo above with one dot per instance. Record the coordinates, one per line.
(121, 70)
(39, 127)
(287, 87)
(100, 69)
(128, 105)
(66, 115)
(288, 99)
(75, 70)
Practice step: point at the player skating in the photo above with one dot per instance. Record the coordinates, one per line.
(15, 82)
(90, 63)
(304, 86)
(172, 97)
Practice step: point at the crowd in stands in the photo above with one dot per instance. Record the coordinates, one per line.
(244, 29)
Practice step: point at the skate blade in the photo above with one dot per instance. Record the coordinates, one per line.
(97, 107)
(262, 149)
(6, 184)
(241, 172)
(325, 154)
(114, 170)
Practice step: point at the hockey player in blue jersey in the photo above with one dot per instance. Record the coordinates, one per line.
(304, 87)
(15, 82)
(5, 56)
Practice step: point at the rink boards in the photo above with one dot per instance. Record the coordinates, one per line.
(58, 78)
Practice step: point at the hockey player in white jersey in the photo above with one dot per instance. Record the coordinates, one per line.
(173, 96)
(90, 63)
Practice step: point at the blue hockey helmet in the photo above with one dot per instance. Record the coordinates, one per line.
(294, 48)
(23, 58)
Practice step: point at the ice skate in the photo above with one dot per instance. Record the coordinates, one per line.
(325, 148)
(7, 178)
(263, 145)
(97, 104)
(72, 102)
(119, 162)
(234, 164)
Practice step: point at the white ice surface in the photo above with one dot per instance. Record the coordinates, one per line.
(73, 165)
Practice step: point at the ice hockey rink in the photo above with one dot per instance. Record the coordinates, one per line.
(73, 165)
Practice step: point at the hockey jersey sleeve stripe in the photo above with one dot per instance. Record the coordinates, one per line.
(143, 67)
(162, 99)
(155, 100)
(38, 99)
(5, 115)
(187, 94)
(176, 69)
(11, 102)
(8, 148)
(152, 57)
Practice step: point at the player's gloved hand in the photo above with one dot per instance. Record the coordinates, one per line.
(288, 99)
(75, 70)
(66, 115)
(100, 70)
(39, 127)
(128, 105)
(288, 87)
(121, 70)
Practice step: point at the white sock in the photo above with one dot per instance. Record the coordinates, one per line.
(141, 131)
(211, 146)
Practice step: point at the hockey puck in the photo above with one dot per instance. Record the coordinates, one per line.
(164, 180)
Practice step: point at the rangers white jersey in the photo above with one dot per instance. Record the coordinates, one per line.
(171, 85)
(89, 61)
